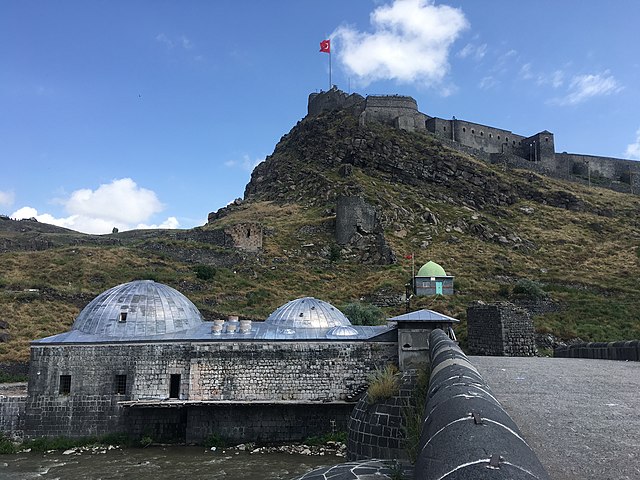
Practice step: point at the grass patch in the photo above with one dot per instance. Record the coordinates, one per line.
(383, 384)
(326, 438)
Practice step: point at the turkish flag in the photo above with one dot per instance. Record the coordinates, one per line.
(325, 46)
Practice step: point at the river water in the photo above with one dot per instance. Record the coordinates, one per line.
(160, 463)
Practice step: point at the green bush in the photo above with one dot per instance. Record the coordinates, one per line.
(529, 288)
(334, 253)
(12, 378)
(205, 272)
(383, 383)
(363, 314)
(328, 437)
(215, 441)
(6, 445)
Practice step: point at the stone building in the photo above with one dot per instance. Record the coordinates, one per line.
(431, 279)
(140, 359)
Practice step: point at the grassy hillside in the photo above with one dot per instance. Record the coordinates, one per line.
(505, 235)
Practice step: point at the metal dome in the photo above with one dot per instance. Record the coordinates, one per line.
(342, 331)
(137, 309)
(307, 312)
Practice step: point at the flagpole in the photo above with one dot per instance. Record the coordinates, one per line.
(330, 85)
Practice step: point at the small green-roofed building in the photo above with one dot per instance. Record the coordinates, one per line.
(432, 279)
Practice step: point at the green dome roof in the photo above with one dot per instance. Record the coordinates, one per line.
(431, 269)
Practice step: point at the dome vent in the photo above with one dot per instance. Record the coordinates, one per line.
(138, 309)
(307, 312)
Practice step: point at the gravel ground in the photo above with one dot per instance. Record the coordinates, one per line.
(582, 417)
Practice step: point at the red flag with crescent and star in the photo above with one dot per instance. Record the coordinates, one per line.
(325, 46)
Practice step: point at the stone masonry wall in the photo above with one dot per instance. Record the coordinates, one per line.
(268, 371)
(500, 329)
(12, 416)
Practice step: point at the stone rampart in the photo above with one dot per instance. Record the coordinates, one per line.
(626, 351)
(466, 432)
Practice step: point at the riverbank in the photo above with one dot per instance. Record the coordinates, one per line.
(163, 462)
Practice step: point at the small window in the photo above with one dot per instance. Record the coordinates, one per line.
(65, 384)
(248, 233)
(506, 139)
(464, 129)
(498, 137)
(174, 386)
(482, 134)
(123, 317)
(514, 142)
(546, 139)
(444, 128)
(491, 135)
(473, 131)
(121, 384)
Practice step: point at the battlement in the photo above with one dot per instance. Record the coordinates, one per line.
(534, 152)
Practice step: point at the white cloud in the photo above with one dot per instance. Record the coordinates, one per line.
(246, 163)
(585, 87)
(6, 198)
(181, 41)
(171, 222)
(121, 204)
(525, 71)
(410, 43)
(162, 38)
(477, 52)
(633, 149)
(488, 82)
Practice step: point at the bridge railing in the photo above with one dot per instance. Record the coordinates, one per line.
(466, 433)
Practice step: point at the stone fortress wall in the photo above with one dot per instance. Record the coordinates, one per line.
(495, 145)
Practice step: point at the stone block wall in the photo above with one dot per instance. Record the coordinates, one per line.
(12, 416)
(500, 329)
(377, 430)
(234, 371)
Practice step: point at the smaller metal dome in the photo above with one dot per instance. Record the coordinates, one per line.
(343, 331)
(307, 312)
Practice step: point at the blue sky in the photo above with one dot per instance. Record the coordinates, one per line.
(153, 113)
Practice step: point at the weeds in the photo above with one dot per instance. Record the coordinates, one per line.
(383, 383)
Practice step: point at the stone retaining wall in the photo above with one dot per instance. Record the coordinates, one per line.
(628, 351)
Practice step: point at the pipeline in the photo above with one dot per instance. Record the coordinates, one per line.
(466, 433)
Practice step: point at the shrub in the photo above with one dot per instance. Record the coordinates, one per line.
(6, 445)
(383, 383)
(529, 288)
(334, 253)
(215, 441)
(363, 314)
(205, 272)
(146, 441)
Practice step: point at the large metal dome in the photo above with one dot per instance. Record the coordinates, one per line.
(138, 309)
(307, 312)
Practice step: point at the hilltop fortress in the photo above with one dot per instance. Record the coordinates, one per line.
(494, 145)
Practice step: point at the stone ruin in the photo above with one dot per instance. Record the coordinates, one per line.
(500, 329)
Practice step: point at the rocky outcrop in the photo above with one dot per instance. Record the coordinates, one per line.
(359, 232)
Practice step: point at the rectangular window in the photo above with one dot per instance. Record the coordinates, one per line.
(121, 384)
(174, 386)
(65, 384)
